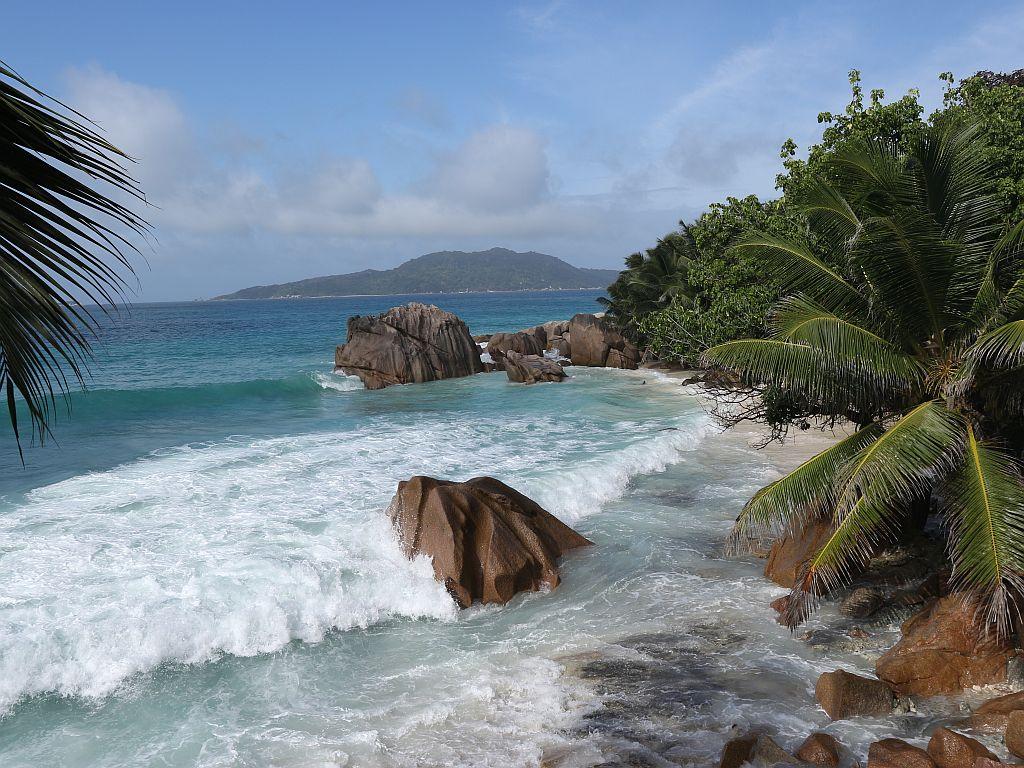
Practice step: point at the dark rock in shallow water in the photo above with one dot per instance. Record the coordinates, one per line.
(842, 694)
(862, 603)
(530, 369)
(821, 750)
(409, 344)
(523, 343)
(487, 541)
(896, 753)
(944, 649)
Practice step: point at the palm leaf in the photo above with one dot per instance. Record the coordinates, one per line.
(984, 511)
(872, 490)
(1000, 348)
(63, 245)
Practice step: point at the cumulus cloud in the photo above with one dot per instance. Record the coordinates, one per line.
(496, 182)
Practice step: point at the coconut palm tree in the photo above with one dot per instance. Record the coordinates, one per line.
(653, 279)
(63, 245)
(916, 335)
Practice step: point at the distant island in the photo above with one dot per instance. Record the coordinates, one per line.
(497, 269)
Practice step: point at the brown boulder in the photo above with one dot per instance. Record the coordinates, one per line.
(950, 749)
(487, 541)
(944, 649)
(789, 555)
(625, 358)
(593, 337)
(843, 694)
(521, 342)
(757, 748)
(820, 749)
(529, 369)
(1014, 734)
(409, 344)
(862, 603)
(896, 753)
(987, 762)
(560, 344)
(994, 713)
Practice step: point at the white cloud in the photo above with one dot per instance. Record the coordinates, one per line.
(495, 183)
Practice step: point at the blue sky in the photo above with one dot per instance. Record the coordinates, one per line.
(278, 141)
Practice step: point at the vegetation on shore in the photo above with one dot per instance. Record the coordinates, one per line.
(885, 287)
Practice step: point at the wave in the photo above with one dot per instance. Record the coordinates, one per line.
(242, 545)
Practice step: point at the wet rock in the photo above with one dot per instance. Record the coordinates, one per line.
(521, 342)
(843, 694)
(487, 541)
(757, 748)
(896, 753)
(789, 554)
(986, 762)
(481, 338)
(530, 369)
(560, 344)
(994, 713)
(409, 344)
(622, 358)
(820, 749)
(950, 749)
(862, 603)
(1014, 734)
(944, 650)
(593, 338)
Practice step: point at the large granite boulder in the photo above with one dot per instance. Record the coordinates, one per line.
(843, 694)
(408, 344)
(529, 369)
(1013, 736)
(950, 749)
(944, 649)
(522, 342)
(994, 713)
(487, 541)
(753, 749)
(554, 329)
(820, 750)
(789, 555)
(593, 338)
(896, 753)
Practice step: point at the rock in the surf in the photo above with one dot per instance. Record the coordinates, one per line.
(995, 713)
(788, 555)
(896, 753)
(950, 749)
(593, 338)
(487, 541)
(522, 342)
(843, 694)
(945, 649)
(408, 344)
(820, 750)
(529, 369)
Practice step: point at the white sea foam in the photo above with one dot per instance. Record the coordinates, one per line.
(338, 381)
(241, 546)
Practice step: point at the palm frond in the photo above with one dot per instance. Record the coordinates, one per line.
(1002, 347)
(784, 505)
(984, 512)
(872, 488)
(63, 245)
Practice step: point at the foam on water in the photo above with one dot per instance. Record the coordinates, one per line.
(240, 546)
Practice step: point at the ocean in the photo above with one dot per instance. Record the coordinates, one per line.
(199, 571)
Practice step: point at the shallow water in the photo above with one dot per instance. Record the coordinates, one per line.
(202, 573)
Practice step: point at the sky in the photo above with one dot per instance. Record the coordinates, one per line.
(280, 141)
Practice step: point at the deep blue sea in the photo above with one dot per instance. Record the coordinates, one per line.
(199, 571)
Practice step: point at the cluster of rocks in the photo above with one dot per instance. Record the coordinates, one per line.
(487, 541)
(943, 649)
(419, 342)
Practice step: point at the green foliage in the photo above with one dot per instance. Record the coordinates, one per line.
(910, 326)
(61, 242)
(728, 294)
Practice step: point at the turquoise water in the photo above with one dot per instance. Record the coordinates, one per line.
(201, 573)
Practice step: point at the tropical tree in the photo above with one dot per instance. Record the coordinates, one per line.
(652, 279)
(912, 328)
(63, 245)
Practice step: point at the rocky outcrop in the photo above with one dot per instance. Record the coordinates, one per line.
(821, 750)
(950, 749)
(995, 713)
(530, 369)
(896, 753)
(843, 694)
(944, 650)
(592, 340)
(520, 341)
(487, 541)
(409, 344)
(789, 555)
(1014, 734)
